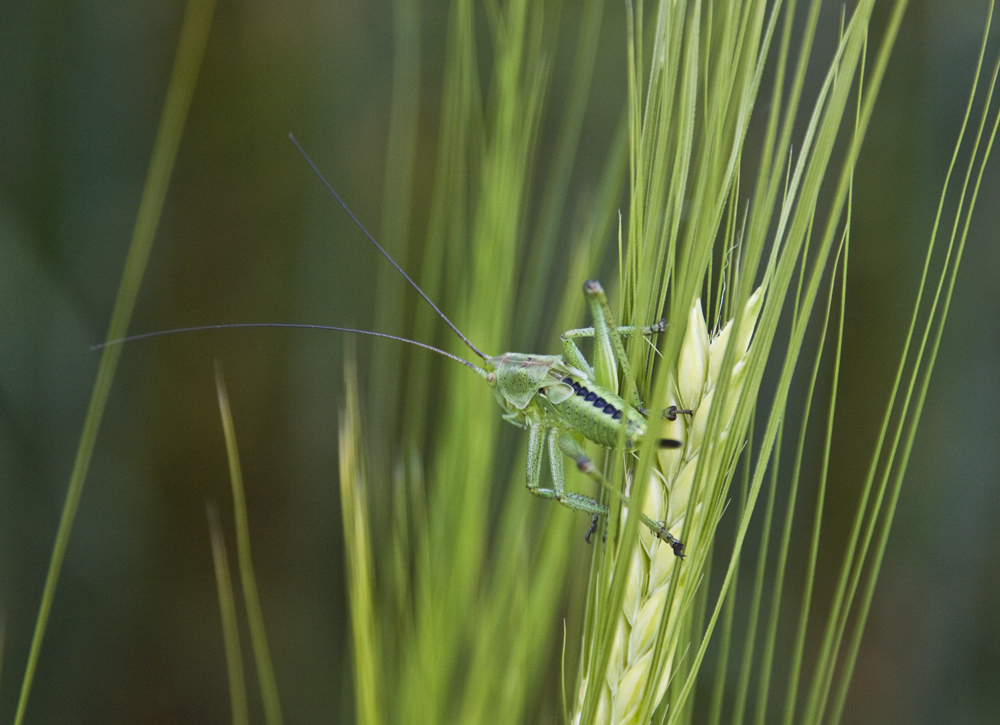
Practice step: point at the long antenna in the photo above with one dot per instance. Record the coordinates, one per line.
(361, 226)
(199, 328)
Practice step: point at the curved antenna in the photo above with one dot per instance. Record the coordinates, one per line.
(199, 328)
(361, 226)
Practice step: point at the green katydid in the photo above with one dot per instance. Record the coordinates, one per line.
(556, 398)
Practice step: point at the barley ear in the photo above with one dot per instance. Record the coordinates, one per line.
(647, 637)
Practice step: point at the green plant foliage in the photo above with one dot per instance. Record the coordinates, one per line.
(709, 162)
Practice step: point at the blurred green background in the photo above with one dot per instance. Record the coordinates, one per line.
(249, 235)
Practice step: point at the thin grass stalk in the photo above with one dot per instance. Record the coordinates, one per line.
(920, 379)
(812, 555)
(617, 590)
(616, 587)
(794, 221)
(756, 596)
(455, 561)
(251, 598)
(475, 562)
(357, 541)
(725, 640)
(681, 280)
(400, 163)
(844, 591)
(455, 571)
(659, 650)
(771, 172)
(864, 119)
(180, 89)
(540, 253)
(448, 224)
(517, 612)
(230, 625)
(506, 159)
(810, 294)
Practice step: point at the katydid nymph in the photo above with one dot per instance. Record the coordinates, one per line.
(556, 398)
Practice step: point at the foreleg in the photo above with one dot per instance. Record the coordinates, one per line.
(623, 330)
(572, 354)
(608, 348)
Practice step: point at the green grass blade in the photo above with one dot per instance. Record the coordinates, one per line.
(357, 541)
(230, 626)
(756, 597)
(187, 62)
(741, 39)
(804, 609)
(542, 249)
(921, 368)
(468, 605)
(448, 222)
(400, 162)
(255, 615)
(855, 557)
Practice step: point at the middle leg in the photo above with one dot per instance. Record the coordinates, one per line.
(561, 443)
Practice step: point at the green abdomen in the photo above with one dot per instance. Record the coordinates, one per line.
(600, 415)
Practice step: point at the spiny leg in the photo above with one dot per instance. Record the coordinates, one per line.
(575, 501)
(608, 348)
(561, 442)
(572, 354)
(623, 330)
